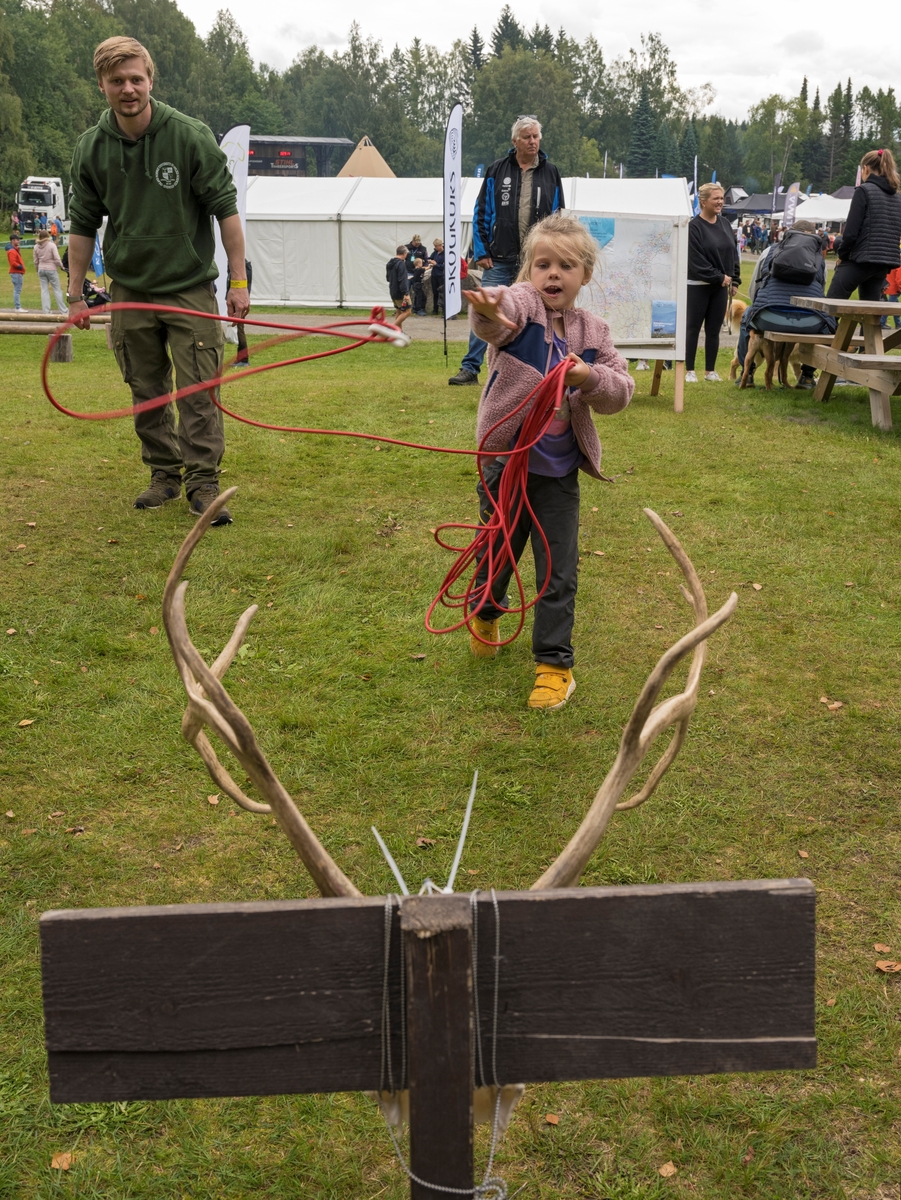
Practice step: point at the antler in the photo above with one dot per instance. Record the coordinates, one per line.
(210, 704)
(646, 724)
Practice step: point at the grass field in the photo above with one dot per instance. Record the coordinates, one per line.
(331, 539)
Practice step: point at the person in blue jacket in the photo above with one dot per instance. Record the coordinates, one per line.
(518, 190)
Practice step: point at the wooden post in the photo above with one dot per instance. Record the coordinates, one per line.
(840, 342)
(880, 401)
(109, 337)
(679, 388)
(655, 382)
(62, 350)
(439, 1040)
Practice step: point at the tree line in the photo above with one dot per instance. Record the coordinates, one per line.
(632, 109)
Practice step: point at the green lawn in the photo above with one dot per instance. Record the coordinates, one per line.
(331, 539)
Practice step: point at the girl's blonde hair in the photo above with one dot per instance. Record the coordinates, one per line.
(882, 162)
(707, 189)
(43, 236)
(568, 236)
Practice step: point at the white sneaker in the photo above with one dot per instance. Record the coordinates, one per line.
(691, 377)
(713, 377)
(642, 365)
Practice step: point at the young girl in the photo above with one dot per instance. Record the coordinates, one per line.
(530, 328)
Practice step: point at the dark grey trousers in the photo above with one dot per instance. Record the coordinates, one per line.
(556, 506)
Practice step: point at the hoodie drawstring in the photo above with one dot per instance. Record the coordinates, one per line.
(147, 155)
(121, 157)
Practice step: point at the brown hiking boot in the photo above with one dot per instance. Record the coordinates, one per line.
(163, 487)
(201, 499)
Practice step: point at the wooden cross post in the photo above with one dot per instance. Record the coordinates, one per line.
(287, 996)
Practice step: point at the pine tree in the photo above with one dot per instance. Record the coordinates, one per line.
(688, 150)
(803, 96)
(540, 38)
(666, 152)
(507, 32)
(476, 48)
(640, 159)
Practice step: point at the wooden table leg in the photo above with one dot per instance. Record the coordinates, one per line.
(880, 402)
(438, 939)
(841, 341)
(679, 389)
(655, 382)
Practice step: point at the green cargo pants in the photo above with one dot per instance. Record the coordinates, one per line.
(143, 343)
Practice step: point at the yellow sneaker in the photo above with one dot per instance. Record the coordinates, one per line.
(487, 630)
(553, 686)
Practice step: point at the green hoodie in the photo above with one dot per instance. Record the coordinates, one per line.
(160, 194)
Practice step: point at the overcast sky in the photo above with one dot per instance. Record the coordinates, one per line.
(745, 51)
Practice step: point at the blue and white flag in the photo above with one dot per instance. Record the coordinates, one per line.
(97, 260)
(453, 225)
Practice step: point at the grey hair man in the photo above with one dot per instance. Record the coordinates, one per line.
(518, 191)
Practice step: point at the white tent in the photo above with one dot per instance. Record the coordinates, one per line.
(823, 208)
(326, 241)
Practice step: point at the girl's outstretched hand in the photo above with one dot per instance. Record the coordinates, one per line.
(578, 372)
(487, 303)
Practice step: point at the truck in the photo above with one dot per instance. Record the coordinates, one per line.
(41, 194)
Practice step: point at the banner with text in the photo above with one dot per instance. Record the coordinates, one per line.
(453, 224)
(791, 205)
(236, 147)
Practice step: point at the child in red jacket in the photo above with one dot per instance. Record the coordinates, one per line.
(16, 271)
(893, 292)
(530, 328)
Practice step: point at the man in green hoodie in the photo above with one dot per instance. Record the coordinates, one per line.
(160, 179)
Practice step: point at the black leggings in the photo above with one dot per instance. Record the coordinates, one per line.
(868, 278)
(706, 306)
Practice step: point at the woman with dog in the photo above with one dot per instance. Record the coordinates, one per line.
(869, 248)
(714, 268)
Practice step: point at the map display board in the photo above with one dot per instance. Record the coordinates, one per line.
(639, 284)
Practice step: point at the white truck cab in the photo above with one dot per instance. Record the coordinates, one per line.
(41, 194)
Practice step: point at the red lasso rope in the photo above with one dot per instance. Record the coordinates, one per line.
(493, 539)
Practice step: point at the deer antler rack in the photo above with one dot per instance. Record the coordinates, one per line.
(646, 724)
(210, 704)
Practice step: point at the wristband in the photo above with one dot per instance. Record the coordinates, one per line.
(237, 283)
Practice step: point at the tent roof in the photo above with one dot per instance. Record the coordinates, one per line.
(288, 199)
(645, 197)
(759, 202)
(824, 208)
(844, 193)
(367, 162)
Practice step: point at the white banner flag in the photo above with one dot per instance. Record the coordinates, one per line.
(453, 224)
(236, 147)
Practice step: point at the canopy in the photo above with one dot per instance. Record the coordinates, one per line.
(821, 209)
(367, 162)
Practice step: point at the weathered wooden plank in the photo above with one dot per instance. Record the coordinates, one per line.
(439, 1040)
(285, 996)
(846, 308)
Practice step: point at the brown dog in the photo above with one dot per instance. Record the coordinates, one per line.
(777, 355)
(736, 311)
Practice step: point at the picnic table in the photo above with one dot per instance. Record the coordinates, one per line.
(875, 369)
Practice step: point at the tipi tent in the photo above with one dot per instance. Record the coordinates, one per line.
(366, 162)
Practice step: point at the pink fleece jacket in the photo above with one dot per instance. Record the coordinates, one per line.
(517, 361)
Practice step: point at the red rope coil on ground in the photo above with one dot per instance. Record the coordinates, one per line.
(492, 541)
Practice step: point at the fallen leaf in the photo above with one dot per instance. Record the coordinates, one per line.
(830, 513)
(29, 832)
(365, 677)
(424, 841)
(10, 632)
(675, 513)
(290, 526)
(849, 585)
(667, 1170)
(61, 1161)
(31, 524)
(76, 829)
(179, 846)
(213, 799)
(830, 1003)
(879, 948)
(154, 629)
(835, 705)
(711, 692)
(270, 604)
(417, 657)
(552, 1118)
(10, 814)
(156, 867)
(84, 670)
(21, 546)
(61, 813)
(269, 576)
(599, 553)
(803, 854)
(748, 1157)
(112, 541)
(140, 596)
(470, 871)
(885, 965)
(757, 586)
(27, 721)
(660, 627)
(824, 699)
(594, 510)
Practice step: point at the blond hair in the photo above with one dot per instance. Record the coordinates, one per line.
(882, 162)
(569, 237)
(43, 236)
(706, 190)
(114, 51)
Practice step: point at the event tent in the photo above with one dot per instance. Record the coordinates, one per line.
(366, 161)
(822, 209)
(326, 241)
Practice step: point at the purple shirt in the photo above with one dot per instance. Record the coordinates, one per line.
(557, 453)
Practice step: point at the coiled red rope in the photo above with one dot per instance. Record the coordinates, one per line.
(490, 550)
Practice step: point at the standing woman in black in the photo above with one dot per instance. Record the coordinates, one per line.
(713, 268)
(869, 246)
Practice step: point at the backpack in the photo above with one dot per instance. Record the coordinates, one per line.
(797, 258)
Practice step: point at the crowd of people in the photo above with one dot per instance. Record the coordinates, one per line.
(410, 273)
